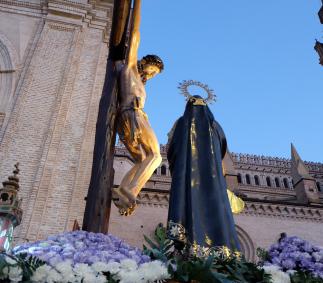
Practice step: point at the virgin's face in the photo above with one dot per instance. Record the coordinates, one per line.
(150, 71)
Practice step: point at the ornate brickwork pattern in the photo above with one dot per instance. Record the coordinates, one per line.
(82, 180)
(51, 122)
(32, 117)
(64, 172)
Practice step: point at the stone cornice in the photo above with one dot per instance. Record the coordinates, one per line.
(266, 190)
(253, 162)
(283, 211)
(68, 8)
(153, 199)
(272, 162)
(95, 15)
(22, 7)
(254, 208)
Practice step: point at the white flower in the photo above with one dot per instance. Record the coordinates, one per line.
(277, 275)
(15, 273)
(174, 231)
(153, 271)
(82, 269)
(89, 278)
(10, 260)
(5, 270)
(66, 270)
(128, 264)
(64, 266)
(100, 266)
(100, 279)
(53, 276)
(130, 277)
(41, 273)
(147, 272)
(113, 267)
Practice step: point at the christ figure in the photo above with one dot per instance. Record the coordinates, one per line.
(133, 126)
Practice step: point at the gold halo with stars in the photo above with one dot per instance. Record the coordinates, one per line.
(184, 85)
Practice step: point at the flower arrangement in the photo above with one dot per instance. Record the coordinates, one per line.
(218, 267)
(80, 256)
(295, 257)
(82, 247)
(18, 268)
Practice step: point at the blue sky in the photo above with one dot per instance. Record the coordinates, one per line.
(257, 55)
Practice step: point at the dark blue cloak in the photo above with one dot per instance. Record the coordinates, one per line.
(199, 209)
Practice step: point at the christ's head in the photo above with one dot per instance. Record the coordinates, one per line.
(149, 66)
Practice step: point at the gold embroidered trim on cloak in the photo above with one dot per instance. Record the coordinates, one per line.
(176, 231)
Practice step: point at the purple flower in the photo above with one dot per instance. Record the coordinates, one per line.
(288, 264)
(82, 247)
(297, 254)
(276, 261)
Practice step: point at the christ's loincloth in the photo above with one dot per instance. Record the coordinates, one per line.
(130, 124)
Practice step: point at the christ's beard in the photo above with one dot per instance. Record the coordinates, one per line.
(143, 78)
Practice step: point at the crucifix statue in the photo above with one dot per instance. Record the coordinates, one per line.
(121, 111)
(133, 127)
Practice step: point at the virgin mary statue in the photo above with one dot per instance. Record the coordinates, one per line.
(199, 213)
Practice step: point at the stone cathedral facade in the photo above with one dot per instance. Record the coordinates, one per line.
(280, 195)
(52, 59)
(52, 65)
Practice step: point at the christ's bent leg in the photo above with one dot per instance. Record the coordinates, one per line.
(153, 158)
(122, 197)
(126, 182)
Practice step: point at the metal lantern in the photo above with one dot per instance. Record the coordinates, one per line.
(10, 209)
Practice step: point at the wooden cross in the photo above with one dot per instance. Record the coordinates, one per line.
(98, 200)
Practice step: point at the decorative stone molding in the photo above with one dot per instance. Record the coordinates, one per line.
(247, 246)
(261, 191)
(153, 199)
(9, 61)
(255, 208)
(9, 53)
(2, 117)
(61, 27)
(302, 213)
(267, 161)
(22, 7)
(96, 14)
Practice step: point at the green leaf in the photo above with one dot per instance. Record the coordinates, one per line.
(150, 242)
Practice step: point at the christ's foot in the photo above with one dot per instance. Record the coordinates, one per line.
(128, 211)
(130, 195)
(121, 199)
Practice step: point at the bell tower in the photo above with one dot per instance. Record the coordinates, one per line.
(304, 183)
(229, 172)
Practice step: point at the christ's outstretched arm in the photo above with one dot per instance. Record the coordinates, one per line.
(135, 36)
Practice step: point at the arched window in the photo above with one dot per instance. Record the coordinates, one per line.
(257, 180)
(285, 181)
(268, 181)
(155, 172)
(239, 178)
(318, 186)
(163, 170)
(248, 179)
(8, 55)
(277, 183)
